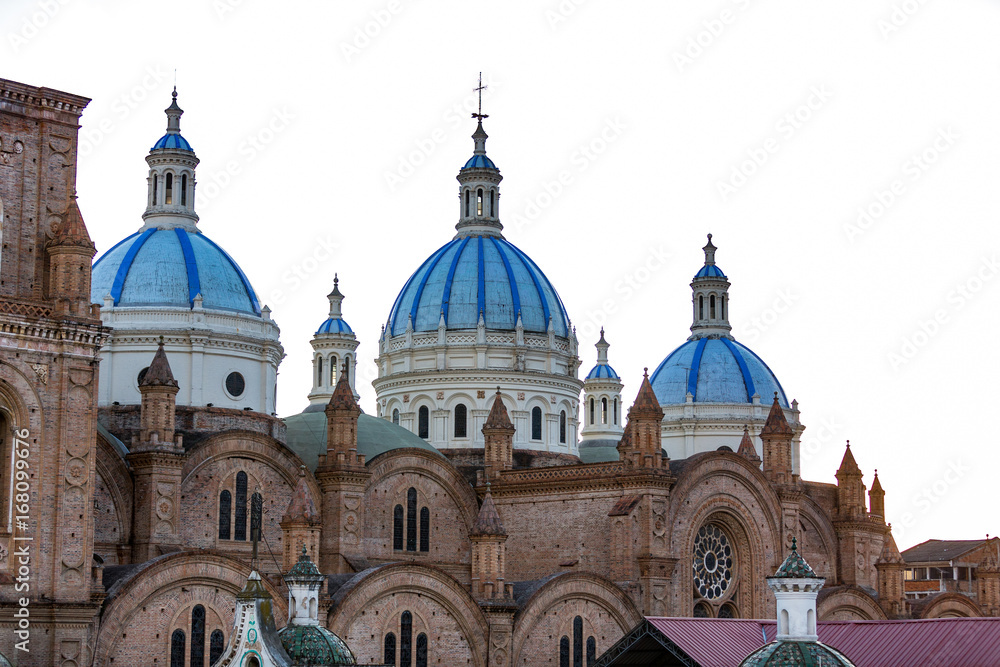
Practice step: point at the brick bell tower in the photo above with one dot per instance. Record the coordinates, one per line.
(48, 384)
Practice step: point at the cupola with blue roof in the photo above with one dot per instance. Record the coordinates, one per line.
(479, 307)
(602, 409)
(334, 344)
(169, 277)
(712, 377)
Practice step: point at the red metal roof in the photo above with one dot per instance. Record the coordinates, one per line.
(942, 642)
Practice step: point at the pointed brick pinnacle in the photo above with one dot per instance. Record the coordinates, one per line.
(488, 522)
(890, 552)
(343, 397)
(848, 466)
(747, 450)
(876, 485)
(498, 418)
(776, 423)
(72, 231)
(158, 374)
(645, 404)
(301, 506)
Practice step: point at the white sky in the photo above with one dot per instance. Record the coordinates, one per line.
(336, 113)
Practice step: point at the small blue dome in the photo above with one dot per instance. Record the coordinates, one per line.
(169, 267)
(334, 325)
(172, 140)
(710, 271)
(474, 274)
(480, 162)
(601, 371)
(715, 370)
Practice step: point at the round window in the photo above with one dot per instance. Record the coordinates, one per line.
(713, 562)
(235, 384)
(141, 375)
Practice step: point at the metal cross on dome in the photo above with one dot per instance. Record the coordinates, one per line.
(480, 90)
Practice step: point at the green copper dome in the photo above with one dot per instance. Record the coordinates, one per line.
(795, 654)
(314, 646)
(795, 566)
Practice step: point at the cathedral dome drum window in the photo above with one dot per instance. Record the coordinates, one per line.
(713, 562)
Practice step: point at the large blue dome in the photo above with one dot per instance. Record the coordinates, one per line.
(474, 274)
(169, 267)
(715, 370)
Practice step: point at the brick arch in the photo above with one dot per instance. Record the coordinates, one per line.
(111, 467)
(812, 514)
(163, 580)
(951, 605)
(724, 488)
(848, 603)
(607, 611)
(362, 607)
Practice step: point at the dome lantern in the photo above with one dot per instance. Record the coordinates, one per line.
(479, 185)
(171, 182)
(710, 299)
(334, 345)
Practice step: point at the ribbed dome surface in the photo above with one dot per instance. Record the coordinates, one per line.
(315, 645)
(601, 371)
(169, 267)
(710, 271)
(172, 140)
(792, 654)
(334, 325)
(476, 274)
(479, 162)
(715, 370)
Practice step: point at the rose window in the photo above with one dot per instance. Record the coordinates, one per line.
(713, 562)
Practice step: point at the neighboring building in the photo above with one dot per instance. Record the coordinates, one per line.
(949, 566)
(465, 523)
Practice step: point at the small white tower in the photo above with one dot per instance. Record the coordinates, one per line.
(710, 299)
(602, 399)
(304, 582)
(795, 587)
(333, 343)
(171, 184)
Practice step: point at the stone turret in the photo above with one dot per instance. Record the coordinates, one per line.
(850, 488)
(640, 444)
(891, 567)
(498, 432)
(489, 555)
(301, 523)
(988, 576)
(777, 438)
(70, 252)
(747, 450)
(876, 499)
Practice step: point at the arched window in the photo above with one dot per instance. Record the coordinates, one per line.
(333, 370)
(156, 188)
(614, 410)
(564, 651)
(256, 511)
(397, 528)
(240, 527)
(405, 639)
(536, 423)
(722, 306)
(177, 649)
(216, 644)
(782, 622)
(591, 651)
(604, 410)
(347, 369)
(389, 649)
(578, 642)
(425, 529)
(711, 306)
(591, 411)
(468, 199)
(169, 199)
(493, 203)
(421, 650)
(319, 372)
(562, 427)
(411, 519)
(395, 416)
(701, 307)
(252, 661)
(728, 611)
(198, 636)
(423, 422)
(702, 610)
(461, 417)
(225, 510)
(479, 202)
(184, 190)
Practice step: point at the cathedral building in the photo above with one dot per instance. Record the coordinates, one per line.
(496, 510)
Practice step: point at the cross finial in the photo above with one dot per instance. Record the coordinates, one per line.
(480, 90)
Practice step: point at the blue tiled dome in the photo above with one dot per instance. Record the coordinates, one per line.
(169, 267)
(480, 162)
(715, 370)
(334, 325)
(710, 271)
(476, 274)
(172, 140)
(601, 371)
